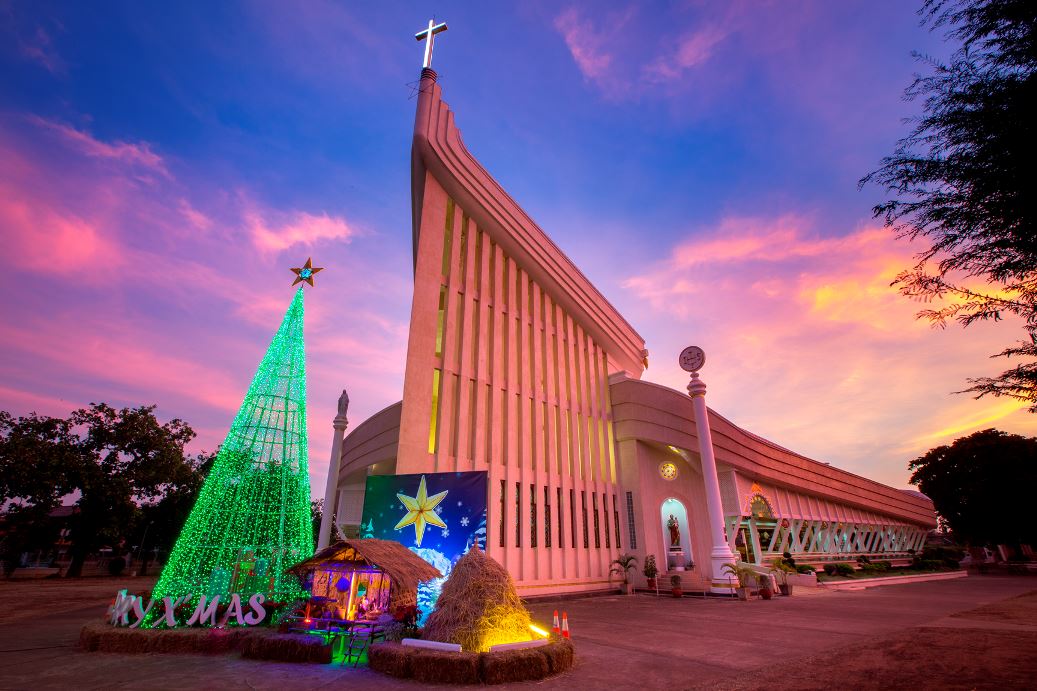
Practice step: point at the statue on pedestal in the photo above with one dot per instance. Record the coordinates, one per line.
(675, 531)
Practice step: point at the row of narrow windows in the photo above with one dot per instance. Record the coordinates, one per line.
(574, 428)
(554, 532)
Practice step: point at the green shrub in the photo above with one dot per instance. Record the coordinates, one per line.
(843, 569)
(805, 568)
(927, 564)
(940, 553)
(883, 565)
(829, 569)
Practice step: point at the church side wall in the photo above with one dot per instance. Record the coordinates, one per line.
(499, 377)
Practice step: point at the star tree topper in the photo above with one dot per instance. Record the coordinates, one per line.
(420, 511)
(306, 273)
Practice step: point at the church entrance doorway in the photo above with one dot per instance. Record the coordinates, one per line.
(676, 534)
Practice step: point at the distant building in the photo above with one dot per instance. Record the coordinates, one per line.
(518, 366)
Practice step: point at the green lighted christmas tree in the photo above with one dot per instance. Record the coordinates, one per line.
(252, 518)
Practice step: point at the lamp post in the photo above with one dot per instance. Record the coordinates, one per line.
(691, 360)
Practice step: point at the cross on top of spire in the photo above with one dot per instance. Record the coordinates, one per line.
(429, 36)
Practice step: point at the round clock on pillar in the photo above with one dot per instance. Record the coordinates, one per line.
(692, 358)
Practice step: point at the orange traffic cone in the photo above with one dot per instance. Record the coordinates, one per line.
(565, 625)
(554, 624)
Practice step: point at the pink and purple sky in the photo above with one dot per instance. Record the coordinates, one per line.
(162, 166)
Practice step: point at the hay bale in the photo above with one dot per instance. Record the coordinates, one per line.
(113, 640)
(390, 658)
(90, 636)
(178, 641)
(559, 655)
(287, 647)
(478, 606)
(513, 665)
(441, 667)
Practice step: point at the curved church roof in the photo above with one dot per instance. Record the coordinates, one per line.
(649, 411)
(438, 148)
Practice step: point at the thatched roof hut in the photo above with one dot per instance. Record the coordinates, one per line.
(366, 566)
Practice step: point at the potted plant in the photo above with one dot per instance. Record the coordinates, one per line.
(622, 565)
(675, 586)
(765, 587)
(781, 571)
(650, 571)
(745, 576)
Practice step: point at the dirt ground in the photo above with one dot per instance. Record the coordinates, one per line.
(977, 632)
(32, 599)
(947, 655)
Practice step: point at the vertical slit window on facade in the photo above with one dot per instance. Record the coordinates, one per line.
(615, 519)
(630, 520)
(503, 491)
(448, 236)
(462, 255)
(547, 516)
(561, 521)
(518, 514)
(440, 320)
(532, 515)
(586, 528)
(597, 532)
(433, 427)
(605, 502)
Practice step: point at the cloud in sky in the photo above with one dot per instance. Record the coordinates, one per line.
(692, 49)
(157, 222)
(612, 53)
(137, 154)
(298, 228)
(587, 45)
(146, 295)
(38, 46)
(838, 366)
(51, 241)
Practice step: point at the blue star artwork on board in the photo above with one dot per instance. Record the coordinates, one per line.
(438, 516)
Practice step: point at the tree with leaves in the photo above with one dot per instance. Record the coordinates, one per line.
(980, 485)
(110, 460)
(963, 179)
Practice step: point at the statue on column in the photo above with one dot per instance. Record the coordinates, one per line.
(675, 531)
(343, 404)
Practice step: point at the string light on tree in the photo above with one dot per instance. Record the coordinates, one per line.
(252, 520)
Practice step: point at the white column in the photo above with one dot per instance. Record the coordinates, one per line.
(331, 491)
(721, 553)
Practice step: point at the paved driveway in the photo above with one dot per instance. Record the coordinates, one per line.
(638, 642)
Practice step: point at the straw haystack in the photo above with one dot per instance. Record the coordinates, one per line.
(478, 606)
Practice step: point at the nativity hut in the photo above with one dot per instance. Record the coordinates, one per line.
(364, 578)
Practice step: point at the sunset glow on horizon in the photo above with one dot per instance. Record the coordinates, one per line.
(162, 168)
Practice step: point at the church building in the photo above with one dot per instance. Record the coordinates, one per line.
(518, 367)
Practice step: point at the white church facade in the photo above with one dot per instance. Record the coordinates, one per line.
(517, 366)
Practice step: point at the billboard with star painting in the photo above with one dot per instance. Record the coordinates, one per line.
(438, 516)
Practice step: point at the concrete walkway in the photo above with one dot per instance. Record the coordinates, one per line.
(637, 642)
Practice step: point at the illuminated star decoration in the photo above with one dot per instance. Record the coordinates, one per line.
(420, 511)
(306, 273)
